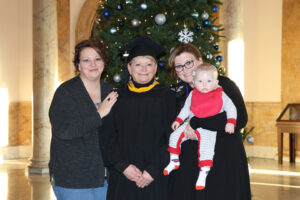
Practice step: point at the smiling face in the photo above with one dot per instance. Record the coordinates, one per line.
(142, 69)
(205, 81)
(185, 59)
(91, 64)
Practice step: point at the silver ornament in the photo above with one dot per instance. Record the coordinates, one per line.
(250, 139)
(204, 15)
(135, 23)
(214, 28)
(209, 56)
(113, 30)
(117, 78)
(129, 2)
(195, 15)
(160, 19)
(144, 6)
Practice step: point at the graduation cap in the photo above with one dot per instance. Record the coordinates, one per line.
(141, 46)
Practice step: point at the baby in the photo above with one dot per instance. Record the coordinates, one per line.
(206, 100)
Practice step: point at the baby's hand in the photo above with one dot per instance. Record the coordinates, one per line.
(229, 128)
(175, 125)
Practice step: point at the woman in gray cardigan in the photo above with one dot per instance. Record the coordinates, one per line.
(76, 113)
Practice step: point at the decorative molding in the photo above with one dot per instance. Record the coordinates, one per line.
(86, 20)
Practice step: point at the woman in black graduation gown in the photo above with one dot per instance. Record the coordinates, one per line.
(229, 176)
(135, 146)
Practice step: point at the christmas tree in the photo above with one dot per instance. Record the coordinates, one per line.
(168, 22)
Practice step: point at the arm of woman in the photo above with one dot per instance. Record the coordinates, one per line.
(66, 120)
(218, 122)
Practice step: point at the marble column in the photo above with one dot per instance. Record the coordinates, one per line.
(231, 17)
(40, 187)
(44, 70)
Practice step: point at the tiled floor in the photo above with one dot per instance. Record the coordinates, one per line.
(269, 181)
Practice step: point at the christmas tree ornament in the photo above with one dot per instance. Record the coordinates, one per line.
(218, 63)
(219, 58)
(250, 139)
(215, 9)
(185, 36)
(214, 28)
(205, 15)
(216, 47)
(113, 30)
(119, 7)
(105, 14)
(161, 64)
(209, 56)
(117, 78)
(198, 27)
(129, 2)
(195, 15)
(160, 19)
(206, 23)
(135, 22)
(121, 23)
(144, 6)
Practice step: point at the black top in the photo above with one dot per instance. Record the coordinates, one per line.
(229, 176)
(140, 125)
(75, 156)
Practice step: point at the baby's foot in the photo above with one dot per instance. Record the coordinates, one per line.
(174, 164)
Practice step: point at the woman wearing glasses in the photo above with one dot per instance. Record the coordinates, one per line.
(229, 176)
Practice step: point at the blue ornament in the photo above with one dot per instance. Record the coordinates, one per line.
(215, 9)
(198, 27)
(219, 58)
(161, 64)
(206, 23)
(250, 139)
(144, 6)
(119, 7)
(216, 47)
(106, 14)
(121, 23)
(113, 30)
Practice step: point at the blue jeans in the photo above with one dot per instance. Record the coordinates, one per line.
(62, 193)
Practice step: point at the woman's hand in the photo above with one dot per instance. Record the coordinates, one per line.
(132, 173)
(189, 132)
(145, 180)
(107, 104)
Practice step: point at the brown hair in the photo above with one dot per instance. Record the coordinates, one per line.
(182, 48)
(98, 46)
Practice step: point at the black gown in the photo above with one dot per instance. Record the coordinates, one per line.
(228, 179)
(138, 127)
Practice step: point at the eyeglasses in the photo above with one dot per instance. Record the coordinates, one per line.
(189, 64)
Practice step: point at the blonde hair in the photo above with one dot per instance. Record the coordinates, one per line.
(206, 67)
(149, 57)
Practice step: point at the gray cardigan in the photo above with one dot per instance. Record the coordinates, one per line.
(75, 155)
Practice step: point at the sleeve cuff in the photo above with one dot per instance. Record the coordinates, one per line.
(231, 120)
(153, 171)
(179, 120)
(121, 166)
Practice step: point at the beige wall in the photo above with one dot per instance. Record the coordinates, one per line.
(16, 49)
(262, 35)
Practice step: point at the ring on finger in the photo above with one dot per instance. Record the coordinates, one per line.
(108, 99)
